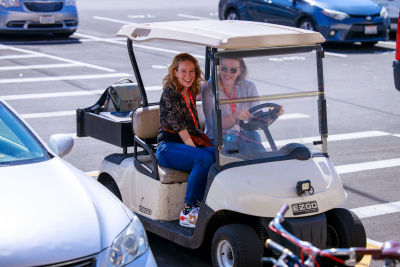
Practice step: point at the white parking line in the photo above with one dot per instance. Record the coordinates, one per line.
(113, 20)
(366, 166)
(48, 114)
(190, 16)
(49, 95)
(64, 78)
(107, 40)
(44, 66)
(376, 210)
(335, 54)
(57, 58)
(64, 94)
(332, 137)
(17, 56)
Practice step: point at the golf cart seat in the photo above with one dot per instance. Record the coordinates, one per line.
(145, 124)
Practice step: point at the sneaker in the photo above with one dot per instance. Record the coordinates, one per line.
(188, 218)
(197, 206)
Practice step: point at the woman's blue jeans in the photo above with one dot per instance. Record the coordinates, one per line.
(195, 160)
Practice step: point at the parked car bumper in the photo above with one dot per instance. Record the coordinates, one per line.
(18, 20)
(354, 29)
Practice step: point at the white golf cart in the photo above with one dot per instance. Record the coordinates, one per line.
(248, 184)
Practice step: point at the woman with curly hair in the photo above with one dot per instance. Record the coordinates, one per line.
(181, 143)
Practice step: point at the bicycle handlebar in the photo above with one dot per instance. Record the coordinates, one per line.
(389, 250)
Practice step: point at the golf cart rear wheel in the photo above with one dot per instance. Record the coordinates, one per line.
(236, 245)
(345, 230)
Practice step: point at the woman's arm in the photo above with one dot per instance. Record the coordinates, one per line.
(185, 136)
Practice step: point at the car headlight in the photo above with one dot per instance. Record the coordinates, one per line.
(338, 15)
(128, 245)
(384, 13)
(9, 3)
(70, 2)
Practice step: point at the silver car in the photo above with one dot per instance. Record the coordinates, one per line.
(54, 214)
(59, 17)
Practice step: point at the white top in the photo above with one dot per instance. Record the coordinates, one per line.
(227, 34)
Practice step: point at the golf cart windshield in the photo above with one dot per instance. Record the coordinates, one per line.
(261, 113)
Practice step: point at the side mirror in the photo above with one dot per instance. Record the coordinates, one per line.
(61, 144)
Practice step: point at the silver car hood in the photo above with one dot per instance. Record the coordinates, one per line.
(52, 212)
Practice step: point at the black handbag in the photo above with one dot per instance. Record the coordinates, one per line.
(124, 95)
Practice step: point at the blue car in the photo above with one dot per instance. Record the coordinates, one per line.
(337, 20)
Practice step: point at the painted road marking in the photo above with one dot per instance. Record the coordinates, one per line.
(106, 40)
(43, 66)
(113, 20)
(332, 137)
(190, 16)
(64, 78)
(64, 94)
(366, 166)
(57, 58)
(366, 260)
(48, 114)
(17, 56)
(377, 210)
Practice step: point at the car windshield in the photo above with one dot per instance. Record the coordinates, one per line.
(263, 114)
(17, 144)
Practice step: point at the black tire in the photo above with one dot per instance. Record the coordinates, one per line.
(307, 24)
(344, 230)
(113, 187)
(232, 14)
(369, 44)
(236, 245)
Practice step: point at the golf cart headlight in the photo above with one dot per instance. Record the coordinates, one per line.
(384, 13)
(9, 3)
(303, 187)
(128, 245)
(338, 15)
(70, 2)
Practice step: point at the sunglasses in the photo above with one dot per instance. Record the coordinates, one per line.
(232, 70)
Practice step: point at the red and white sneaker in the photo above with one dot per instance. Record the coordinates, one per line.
(189, 219)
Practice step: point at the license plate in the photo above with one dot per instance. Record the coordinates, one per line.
(46, 19)
(371, 29)
(304, 207)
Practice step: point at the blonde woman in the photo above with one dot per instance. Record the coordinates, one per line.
(181, 143)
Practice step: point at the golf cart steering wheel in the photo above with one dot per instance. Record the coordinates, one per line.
(260, 119)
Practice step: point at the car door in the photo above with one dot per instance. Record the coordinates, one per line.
(283, 11)
(259, 10)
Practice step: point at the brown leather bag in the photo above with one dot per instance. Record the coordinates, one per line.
(202, 140)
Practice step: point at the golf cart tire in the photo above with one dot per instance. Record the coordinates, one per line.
(345, 229)
(246, 247)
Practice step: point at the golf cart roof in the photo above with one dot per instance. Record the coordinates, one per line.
(226, 34)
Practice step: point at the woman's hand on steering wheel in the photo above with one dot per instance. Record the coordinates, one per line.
(259, 118)
(241, 115)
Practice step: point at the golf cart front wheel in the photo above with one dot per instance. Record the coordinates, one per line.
(235, 245)
(344, 230)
